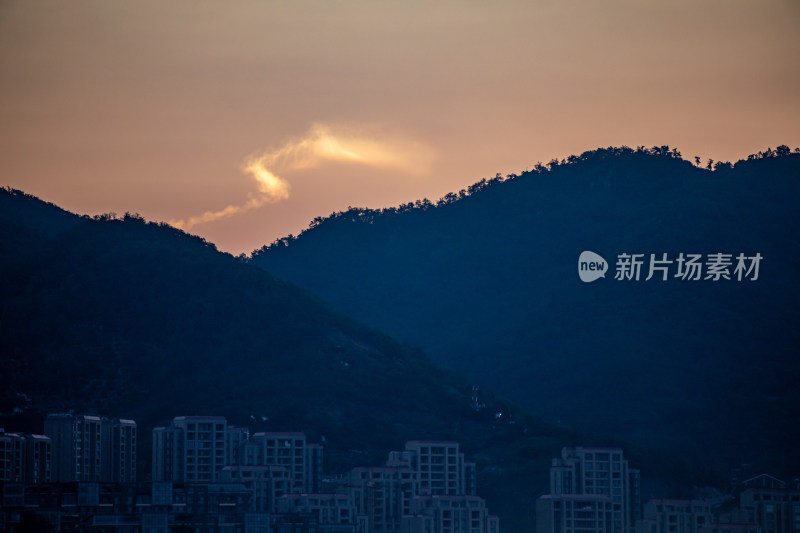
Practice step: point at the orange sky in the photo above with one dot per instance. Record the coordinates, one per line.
(159, 107)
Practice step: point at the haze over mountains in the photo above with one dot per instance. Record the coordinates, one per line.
(486, 282)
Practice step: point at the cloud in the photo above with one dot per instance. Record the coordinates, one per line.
(320, 145)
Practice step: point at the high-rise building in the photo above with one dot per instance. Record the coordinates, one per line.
(91, 448)
(573, 513)
(164, 455)
(289, 450)
(193, 449)
(470, 479)
(775, 510)
(328, 509)
(236, 438)
(119, 436)
(38, 459)
(266, 483)
(77, 451)
(426, 488)
(313, 468)
(450, 514)
(383, 495)
(674, 516)
(12, 457)
(250, 454)
(588, 472)
(439, 466)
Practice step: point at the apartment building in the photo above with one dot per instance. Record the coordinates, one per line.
(85, 448)
(77, 449)
(327, 509)
(193, 449)
(267, 484)
(38, 459)
(383, 495)
(439, 466)
(119, 450)
(594, 472)
(289, 450)
(775, 510)
(450, 514)
(573, 513)
(12, 457)
(425, 488)
(675, 516)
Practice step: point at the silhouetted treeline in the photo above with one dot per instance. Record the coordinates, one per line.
(357, 214)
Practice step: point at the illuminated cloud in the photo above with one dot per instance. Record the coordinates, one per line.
(320, 145)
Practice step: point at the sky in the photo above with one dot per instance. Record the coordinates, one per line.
(241, 121)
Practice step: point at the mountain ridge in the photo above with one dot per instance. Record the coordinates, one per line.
(141, 320)
(120, 317)
(485, 282)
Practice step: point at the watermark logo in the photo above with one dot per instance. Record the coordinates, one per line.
(591, 266)
(685, 267)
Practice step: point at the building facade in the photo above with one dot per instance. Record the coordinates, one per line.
(573, 513)
(675, 516)
(775, 510)
(439, 466)
(38, 459)
(12, 457)
(267, 484)
(597, 475)
(85, 448)
(119, 450)
(193, 449)
(425, 488)
(291, 451)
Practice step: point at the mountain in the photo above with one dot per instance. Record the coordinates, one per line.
(485, 281)
(121, 317)
(117, 315)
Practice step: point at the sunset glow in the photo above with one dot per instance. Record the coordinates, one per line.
(245, 120)
(319, 146)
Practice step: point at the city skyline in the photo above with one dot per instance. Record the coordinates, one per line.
(426, 487)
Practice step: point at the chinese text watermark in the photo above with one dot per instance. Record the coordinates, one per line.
(687, 267)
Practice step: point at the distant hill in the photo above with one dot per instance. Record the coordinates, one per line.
(485, 281)
(121, 317)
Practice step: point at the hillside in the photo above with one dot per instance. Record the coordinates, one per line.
(116, 315)
(121, 317)
(485, 281)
